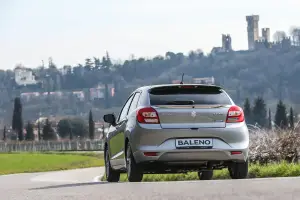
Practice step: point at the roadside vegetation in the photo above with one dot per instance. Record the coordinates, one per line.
(41, 162)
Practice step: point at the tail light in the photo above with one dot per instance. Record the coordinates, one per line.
(235, 114)
(147, 116)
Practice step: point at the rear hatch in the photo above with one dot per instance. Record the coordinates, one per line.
(190, 106)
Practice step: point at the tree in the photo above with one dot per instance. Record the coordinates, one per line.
(48, 132)
(259, 111)
(88, 64)
(108, 60)
(97, 63)
(269, 120)
(70, 127)
(39, 130)
(247, 111)
(291, 118)
(29, 132)
(279, 36)
(4, 133)
(17, 121)
(281, 119)
(91, 126)
(295, 33)
(192, 55)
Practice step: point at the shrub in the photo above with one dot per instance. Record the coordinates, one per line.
(75, 126)
(268, 146)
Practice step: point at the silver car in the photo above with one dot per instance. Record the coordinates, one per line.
(177, 128)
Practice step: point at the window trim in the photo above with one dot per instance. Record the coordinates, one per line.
(136, 102)
(118, 120)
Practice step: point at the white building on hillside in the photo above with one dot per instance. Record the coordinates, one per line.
(204, 80)
(24, 76)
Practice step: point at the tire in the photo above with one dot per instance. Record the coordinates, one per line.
(206, 175)
(134, 172)
(238, 170)
(111, 174)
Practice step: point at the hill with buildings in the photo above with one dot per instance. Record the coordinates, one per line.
(269, 69)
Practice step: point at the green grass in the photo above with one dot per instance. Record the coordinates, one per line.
(11, 163)
(255, 171)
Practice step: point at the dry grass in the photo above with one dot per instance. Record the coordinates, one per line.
(269, 146)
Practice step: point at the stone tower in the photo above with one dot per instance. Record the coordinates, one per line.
(226, 42)
(252, 29)
(265, 33)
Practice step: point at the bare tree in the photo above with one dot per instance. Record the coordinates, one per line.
(295, 33)
(279, 36)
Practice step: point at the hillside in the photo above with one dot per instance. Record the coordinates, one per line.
(271, 74)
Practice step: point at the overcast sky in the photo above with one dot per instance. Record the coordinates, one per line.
(72, 30)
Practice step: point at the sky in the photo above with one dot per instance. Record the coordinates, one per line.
(71, 30)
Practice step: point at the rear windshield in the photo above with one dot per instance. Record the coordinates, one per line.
(176, 95)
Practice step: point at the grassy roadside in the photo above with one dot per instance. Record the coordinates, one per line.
(255, 171)
(41, 162)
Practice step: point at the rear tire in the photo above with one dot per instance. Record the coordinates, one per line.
(238, 170)
(134, 171)
(206, 175)
(111, 174)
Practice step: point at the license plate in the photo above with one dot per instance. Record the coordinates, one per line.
(199, 143)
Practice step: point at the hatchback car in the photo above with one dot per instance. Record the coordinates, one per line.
(176, 128)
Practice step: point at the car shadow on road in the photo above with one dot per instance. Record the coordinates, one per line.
(70, 185)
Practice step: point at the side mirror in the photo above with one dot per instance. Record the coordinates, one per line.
(110, 118)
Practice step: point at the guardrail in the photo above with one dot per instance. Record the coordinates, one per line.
(36, 146)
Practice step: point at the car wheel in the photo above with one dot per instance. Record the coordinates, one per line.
(206, 175)
(134, 172)
(238, 170)
(111, 174)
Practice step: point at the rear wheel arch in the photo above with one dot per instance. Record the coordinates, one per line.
(105, 148)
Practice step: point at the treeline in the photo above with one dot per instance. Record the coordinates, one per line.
(257, 114)
(242, 73)
(69, 128)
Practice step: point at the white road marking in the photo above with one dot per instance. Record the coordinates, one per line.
(97, 178)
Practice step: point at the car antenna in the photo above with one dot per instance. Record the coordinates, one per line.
(182, 79)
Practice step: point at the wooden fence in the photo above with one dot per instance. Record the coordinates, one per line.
(36, 146)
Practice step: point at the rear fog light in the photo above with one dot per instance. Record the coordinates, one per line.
(236, 152)
(150, 153)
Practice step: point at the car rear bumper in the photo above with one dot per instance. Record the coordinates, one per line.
(233, 138)
(182, 156)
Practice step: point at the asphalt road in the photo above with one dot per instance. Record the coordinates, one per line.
(82, 184)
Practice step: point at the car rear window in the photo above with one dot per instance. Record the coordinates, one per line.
(185, 95)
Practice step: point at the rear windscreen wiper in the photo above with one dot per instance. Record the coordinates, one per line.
(189, 102)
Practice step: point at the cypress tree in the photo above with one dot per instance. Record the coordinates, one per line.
(91, 126)
(39, 130)
(17, 121)
(4, 133)
(247, 111)
(281, 119)
(259, 112)
(29, 132)
(291, 118)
